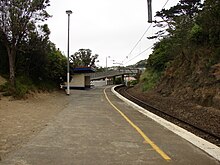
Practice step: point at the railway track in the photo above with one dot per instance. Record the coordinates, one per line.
(199, 131)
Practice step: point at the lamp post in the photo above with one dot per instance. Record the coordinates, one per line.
(68, 12)
(106, 70)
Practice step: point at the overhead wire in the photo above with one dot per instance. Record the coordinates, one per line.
(138, 41)
(165, 4)
(139, 54)
(141, 39)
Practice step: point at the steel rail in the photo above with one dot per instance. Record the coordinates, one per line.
(152, 108)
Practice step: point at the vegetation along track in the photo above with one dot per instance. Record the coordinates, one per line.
(190, 126)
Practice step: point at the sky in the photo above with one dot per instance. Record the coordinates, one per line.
(110, 28)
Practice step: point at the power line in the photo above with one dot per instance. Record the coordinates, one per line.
(165, 4)
(139, 54)
(141, 39)
(138, 41)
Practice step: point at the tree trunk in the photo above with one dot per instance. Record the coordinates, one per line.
(11, 57)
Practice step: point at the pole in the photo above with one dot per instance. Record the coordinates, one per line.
(149, 4)
(68, 63)
(106, 70)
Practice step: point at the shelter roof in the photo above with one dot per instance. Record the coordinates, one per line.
(83, 70)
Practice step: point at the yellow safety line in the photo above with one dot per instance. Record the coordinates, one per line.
(153, 145)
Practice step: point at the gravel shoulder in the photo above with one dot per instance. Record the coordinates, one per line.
(22, 119)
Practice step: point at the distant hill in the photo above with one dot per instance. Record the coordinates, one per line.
(139, 64)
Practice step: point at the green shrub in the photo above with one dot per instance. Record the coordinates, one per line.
(118, 80)
(149, 79)
(47, 85)
(132, 82)
(22, 86)
(21, 90)
(196, 34)
(4, 87)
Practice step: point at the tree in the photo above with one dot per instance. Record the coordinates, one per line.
(140, 64)
(209, 22)
(162, 54)
(32, 56)
(56, 65)
(83, 57)
(16, 19)
(3, 59)
(179, 17)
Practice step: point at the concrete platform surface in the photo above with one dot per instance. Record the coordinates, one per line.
(97, 128)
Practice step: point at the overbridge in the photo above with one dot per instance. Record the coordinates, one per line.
(82, 77)
(112, 74)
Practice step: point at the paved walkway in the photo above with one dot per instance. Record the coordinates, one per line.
(94, 130)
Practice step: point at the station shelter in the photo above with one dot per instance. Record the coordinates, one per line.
(80, 77)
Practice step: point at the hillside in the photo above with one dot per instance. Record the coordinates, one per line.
(185, 63)
(192, 80)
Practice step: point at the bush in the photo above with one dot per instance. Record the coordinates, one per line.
(149, 79)
(6, 89)
(22, 86)
(21, 90)
(46, 85)
(132, 82)
(118, 80)
(196, 35)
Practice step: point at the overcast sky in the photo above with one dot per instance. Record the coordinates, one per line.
(110, 28)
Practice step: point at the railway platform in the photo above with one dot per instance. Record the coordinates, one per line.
(98, 128)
